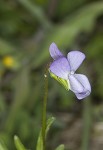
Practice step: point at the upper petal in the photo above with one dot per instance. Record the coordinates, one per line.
(80, 85)
(60, 68)
(75, 59)
(54, 51)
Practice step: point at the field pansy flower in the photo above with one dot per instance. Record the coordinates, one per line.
(63, 69)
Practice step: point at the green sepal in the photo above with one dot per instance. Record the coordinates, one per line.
(40, 140)
(61, 81)
(18, 144)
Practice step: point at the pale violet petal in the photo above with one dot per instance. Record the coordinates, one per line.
(54, 51)
(87, 87)
(82, 95)
(75, 85)
(75, 59)
(60, 68)
(76, 81)
(83, 80)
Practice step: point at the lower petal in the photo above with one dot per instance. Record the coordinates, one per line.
(84, 81)
(82, 94)
(75, 85)
(80, 85)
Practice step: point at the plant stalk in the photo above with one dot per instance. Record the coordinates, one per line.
(87, 122)
(44, 108)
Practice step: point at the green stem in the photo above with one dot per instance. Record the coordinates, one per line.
(44, 108)
(87, 120)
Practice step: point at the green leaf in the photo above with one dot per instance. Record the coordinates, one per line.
(61, 81)
(18, 144)
(2, 146)
(49, 123)
(60, 147)
(40, 140)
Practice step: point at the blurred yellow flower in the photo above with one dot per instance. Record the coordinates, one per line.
(8, 61)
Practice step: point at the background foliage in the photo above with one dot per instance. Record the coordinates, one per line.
(27, 28)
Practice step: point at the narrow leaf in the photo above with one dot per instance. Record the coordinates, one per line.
(40, 140)
(2, 146)
(18, 143)
(60, 147)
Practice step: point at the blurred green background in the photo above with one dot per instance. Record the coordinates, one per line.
(27, 28)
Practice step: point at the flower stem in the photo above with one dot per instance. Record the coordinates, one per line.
(44, 108)
(87, 122)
